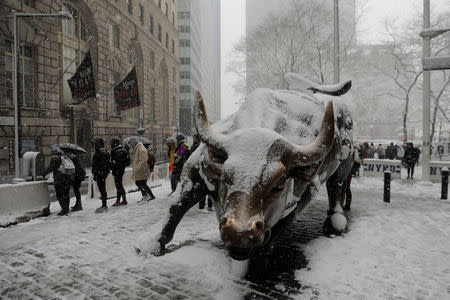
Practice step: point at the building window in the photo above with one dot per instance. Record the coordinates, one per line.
(25, 84)
(141, 14)
(185, 60)
(152, 59)
(74, 48)
(173, 19)
(185, 88)
(152, 105)
(159, 33)
(114, 79)
(114, 35)
(159, 3)
(164, 93)
(129, 6)
(184, 15)
(185, 28)
(151, 25)
(167, 10)
(185, 75)
(173, 47)
(185, 43)
(28, 2)
(167, 40)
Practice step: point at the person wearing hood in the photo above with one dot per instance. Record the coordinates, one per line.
(141, 170)
(181, 153)
(80, 174)
(100, 170)
(61, 181)
(120, 159)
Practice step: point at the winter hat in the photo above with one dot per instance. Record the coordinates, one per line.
(115, 141)
(98, 143)
(56, 151)
(133, 141)
(180, 137)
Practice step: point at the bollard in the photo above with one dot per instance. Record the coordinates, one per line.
(444, 190)
(387, 186)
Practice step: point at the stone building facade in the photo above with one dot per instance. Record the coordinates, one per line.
(119, 34)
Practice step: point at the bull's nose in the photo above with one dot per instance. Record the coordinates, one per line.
(238, 234)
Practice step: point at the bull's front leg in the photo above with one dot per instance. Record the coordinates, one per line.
(189, 196)
(336, 221)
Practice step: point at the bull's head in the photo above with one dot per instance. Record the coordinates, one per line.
(253, 170)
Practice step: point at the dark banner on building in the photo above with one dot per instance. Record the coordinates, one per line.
(127, 92)
(82, 83)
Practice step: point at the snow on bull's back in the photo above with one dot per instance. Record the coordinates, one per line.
(294, 115)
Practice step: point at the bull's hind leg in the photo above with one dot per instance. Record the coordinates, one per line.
(190, 195)
(336, 222)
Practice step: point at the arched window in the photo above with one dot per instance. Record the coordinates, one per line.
(74, 47)
(164, 93)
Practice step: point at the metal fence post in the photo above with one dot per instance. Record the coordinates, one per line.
(444, 190)
(387, 186)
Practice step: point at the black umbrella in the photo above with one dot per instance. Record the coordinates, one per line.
(141, 139)
(74, 148)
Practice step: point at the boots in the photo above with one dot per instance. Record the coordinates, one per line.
(117, 203)
(77, 206)
(124, 200)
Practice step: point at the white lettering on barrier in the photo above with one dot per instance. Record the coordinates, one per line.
(376, 167)
(435, 170)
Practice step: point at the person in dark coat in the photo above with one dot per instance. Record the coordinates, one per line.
(61, 181)
(391, 151)
(411, 157)
(100, 170)
(120, 159)
(80, 174)
(181, 151)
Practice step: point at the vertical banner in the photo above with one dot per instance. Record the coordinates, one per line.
(82, 83)
(127, 92)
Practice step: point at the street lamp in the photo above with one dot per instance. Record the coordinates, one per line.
(15, 15)
(429, 64)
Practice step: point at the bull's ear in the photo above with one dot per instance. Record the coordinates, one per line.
(306, 155)
(213, 140)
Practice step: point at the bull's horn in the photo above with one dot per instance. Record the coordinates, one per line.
(317, 151)
(213, 140)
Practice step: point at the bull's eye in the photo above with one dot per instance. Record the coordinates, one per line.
(280, 185)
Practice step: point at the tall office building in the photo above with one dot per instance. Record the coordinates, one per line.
(199, 34)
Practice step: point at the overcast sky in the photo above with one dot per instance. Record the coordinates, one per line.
(370, 30)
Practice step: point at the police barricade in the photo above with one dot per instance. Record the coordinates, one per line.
(435, 170)
(376, 167)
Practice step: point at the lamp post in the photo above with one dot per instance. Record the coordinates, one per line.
(336, 42)
(428, 64)
(15, 16)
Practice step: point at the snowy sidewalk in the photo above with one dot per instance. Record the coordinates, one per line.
(399, 250)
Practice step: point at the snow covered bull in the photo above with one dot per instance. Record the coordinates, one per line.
(263, 164)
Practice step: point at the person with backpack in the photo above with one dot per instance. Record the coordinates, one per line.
(120, 159)
(181, 152)
(63, 170)
(80, 174)
(100, 170)
(141, 170)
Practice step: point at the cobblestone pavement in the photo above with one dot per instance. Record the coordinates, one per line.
(90, 256)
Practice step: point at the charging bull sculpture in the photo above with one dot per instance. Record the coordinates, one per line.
(264, 164)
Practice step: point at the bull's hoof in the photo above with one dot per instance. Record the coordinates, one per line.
(335, 224)
(160, 251)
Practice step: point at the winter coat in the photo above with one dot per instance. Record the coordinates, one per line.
(400, 152)
(120, 159)
(100, 161)
(411, 156)
(391, 152)
(141, 170)
(181, 154)
(58, 177)
(80, 173)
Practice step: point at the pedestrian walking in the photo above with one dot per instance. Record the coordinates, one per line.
(141, 170)
(391, 151)
(411, 157)
(63, 170)
(80, 175)
(367, 151)
(400, 153)
(381, 152)
(440, 150)
(181, 153)
(120, 159)
(100, 170)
